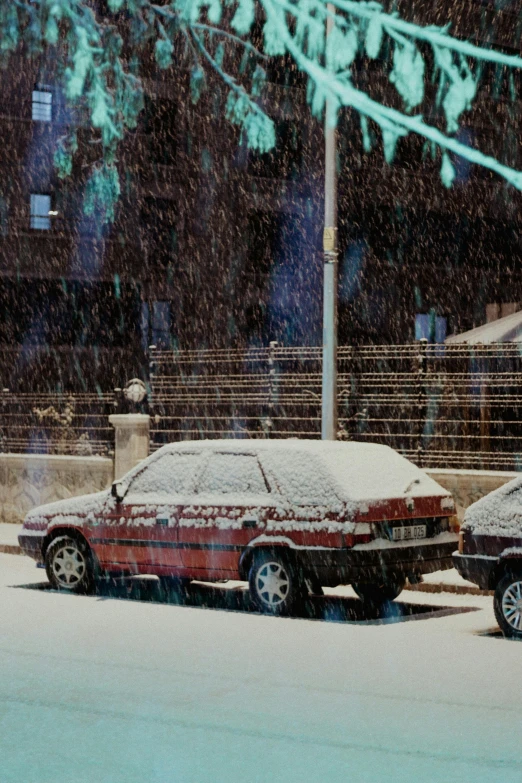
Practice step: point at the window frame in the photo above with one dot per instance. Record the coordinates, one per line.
(40, 221)
(41, 105)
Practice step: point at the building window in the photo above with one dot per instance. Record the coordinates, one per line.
(144, 326)
(160, 126)
(161, 322)
(285, 160)
(4, 226)
(40, 209)
(42, 108)
(158, 221)
(431, 327)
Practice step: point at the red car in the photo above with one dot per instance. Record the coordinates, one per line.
(286, 515)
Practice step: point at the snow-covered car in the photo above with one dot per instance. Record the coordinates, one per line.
(287, 515)
(490, 552)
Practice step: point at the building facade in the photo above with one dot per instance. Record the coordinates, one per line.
(215, 246)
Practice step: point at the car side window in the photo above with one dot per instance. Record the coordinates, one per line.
(233, 473)
(171, 474)
(302, 479)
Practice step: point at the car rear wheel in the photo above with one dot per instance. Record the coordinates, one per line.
(378, 593)
(507, 604)
(70, 565)
(274, 585)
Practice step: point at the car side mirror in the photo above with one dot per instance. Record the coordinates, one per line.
(117, 491)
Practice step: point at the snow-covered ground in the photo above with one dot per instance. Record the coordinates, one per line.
(9, 534)
(450, 577)
(100, 690)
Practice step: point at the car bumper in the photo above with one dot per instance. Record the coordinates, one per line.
(475, 568)
(349, 565)
(31, 544)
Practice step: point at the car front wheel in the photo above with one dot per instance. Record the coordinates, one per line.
(507, 604)
(69, 565)
(274, 586)
(378, 593)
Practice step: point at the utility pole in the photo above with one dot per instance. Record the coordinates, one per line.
(329, 386)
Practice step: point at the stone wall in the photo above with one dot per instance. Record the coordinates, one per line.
(467, 486)
(28, 480)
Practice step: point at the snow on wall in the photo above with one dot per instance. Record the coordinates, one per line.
(30, 480)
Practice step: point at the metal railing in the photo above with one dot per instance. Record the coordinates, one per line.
(452, 406)
(45, 423)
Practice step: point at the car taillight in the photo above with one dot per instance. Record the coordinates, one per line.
(361, 535)
(454, 524)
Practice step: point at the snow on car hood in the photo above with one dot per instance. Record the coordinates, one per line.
(67, 511)
(497, 514)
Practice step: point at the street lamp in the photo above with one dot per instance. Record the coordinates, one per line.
(329, 384)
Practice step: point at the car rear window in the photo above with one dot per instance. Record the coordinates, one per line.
(302, 478)
(169, 475)
(233, 474)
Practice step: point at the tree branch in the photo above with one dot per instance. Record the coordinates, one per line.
(347, 95)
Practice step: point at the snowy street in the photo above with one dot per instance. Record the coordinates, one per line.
(109, 690)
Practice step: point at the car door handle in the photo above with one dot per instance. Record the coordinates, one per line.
(162, 521)
(250, 523)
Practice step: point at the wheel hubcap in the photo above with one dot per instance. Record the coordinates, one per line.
(512, 605)
(69, 566)
(272, 584)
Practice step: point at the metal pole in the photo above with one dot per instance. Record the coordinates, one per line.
(329, 387)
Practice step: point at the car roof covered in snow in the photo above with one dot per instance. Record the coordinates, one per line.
(360, 471)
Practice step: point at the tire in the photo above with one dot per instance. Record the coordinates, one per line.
(275, 587)
(379, 593)
(69, 564)
(507, 604)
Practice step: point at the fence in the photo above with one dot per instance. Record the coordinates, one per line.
(452, 406)
(57, 423)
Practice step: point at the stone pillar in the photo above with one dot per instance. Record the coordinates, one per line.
(131, 440)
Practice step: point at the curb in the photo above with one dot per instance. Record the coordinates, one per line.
(10, 549)
(426, 587)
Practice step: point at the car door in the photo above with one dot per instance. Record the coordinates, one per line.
(142, 529)
(230, 506)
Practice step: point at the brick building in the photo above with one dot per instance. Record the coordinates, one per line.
(214, 246)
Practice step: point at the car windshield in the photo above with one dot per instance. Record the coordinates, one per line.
(171, 474)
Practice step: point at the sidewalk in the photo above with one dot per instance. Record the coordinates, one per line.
(9, 539)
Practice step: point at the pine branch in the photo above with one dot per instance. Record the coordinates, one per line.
(230, 37)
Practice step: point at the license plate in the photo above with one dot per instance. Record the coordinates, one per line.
(409, 532)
